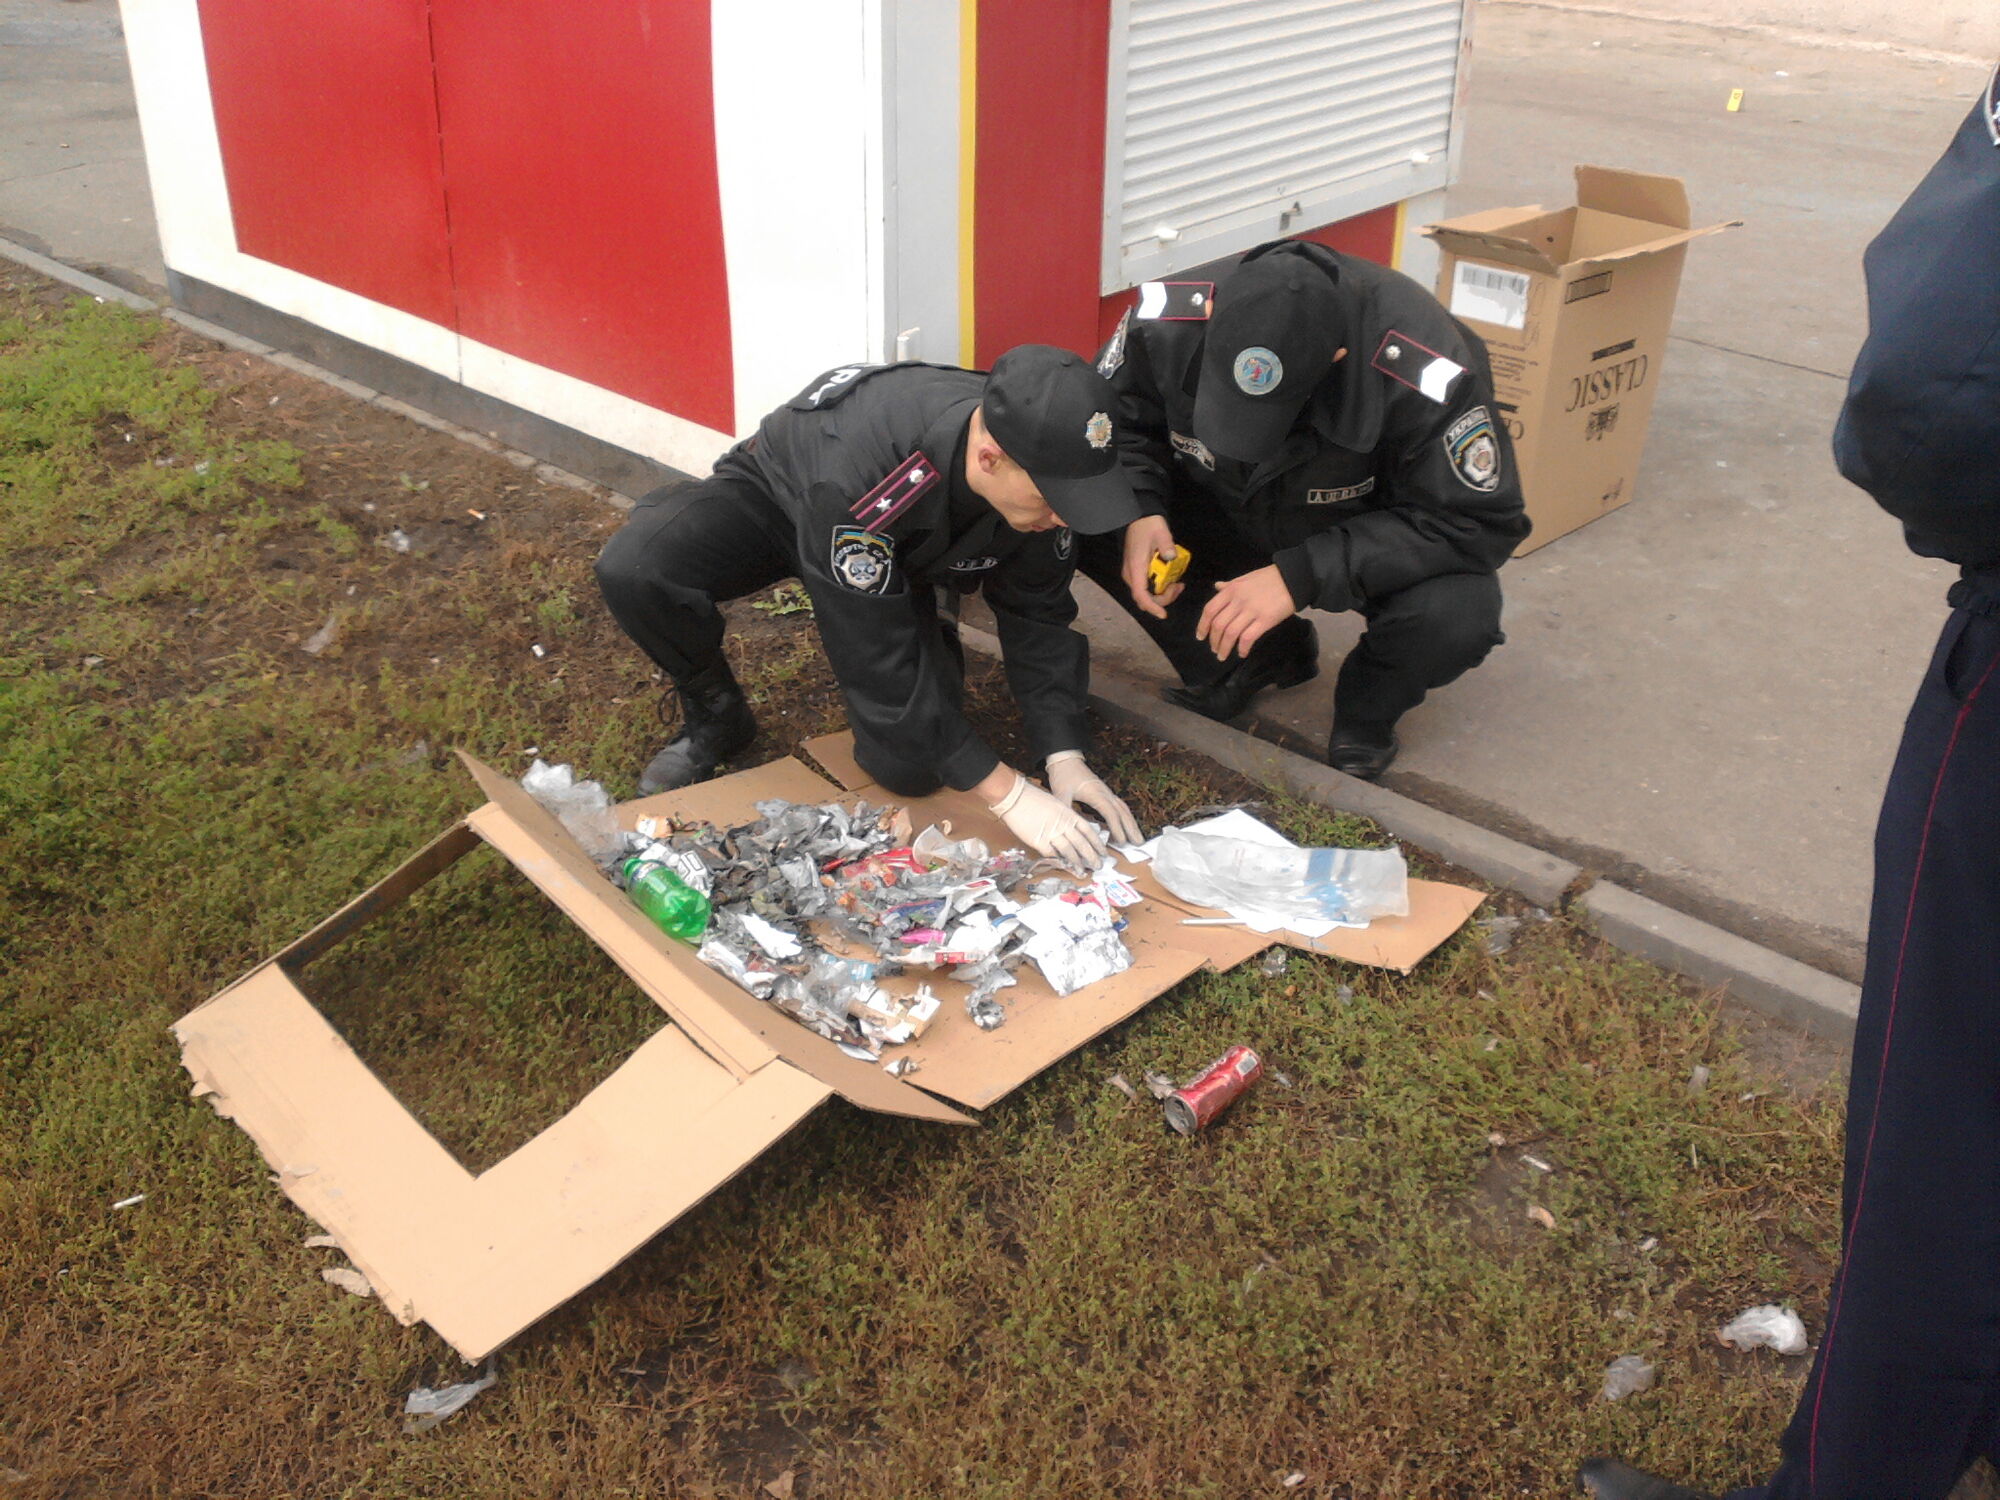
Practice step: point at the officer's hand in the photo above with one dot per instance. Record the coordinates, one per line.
(1073, 781)
(1147, 538)
(1243, 609)
(1049, 826)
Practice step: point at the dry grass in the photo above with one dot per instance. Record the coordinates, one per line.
(1342, 1279)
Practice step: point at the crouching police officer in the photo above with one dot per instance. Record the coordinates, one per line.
(1319, 433)
(876, 487)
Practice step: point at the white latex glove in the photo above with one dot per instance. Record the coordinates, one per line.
(1074, 782)
(1050, 827)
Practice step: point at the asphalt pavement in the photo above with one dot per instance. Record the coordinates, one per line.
(1701, 693)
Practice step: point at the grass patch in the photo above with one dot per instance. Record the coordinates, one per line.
(1342, 1278)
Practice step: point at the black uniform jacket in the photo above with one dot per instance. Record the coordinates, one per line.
(1379, 485)
(868, 464)
(1921, 427)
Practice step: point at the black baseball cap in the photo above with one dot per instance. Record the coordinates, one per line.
(1271, 340)
(1052, 413)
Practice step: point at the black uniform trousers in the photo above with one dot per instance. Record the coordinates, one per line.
(1418, 638)
(687, 548)
(1905, 1392)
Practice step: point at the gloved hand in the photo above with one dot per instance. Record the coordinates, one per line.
(1074, 782)
(1050, 827)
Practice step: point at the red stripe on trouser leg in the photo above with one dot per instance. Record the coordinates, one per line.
(1881, 1071)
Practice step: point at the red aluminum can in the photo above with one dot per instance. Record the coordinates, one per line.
(1192, 1106)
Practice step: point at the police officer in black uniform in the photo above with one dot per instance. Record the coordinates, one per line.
(1905, 1392)
(1319, 432)
(877, 487)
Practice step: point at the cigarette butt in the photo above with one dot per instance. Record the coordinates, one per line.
(477, 515)
(1735, 101)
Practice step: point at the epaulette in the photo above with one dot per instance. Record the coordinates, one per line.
(1417, 366)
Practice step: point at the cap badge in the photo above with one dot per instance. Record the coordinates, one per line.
(1258, 371)
(1098, 430)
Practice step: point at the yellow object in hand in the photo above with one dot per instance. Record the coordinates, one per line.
(1162, 573)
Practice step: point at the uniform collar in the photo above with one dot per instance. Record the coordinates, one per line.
(952, 509)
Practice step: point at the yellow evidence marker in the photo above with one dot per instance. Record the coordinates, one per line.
(1162, 573)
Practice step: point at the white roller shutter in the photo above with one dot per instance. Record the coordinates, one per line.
(1234, 121)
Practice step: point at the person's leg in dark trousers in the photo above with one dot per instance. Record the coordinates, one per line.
(1422, 637)
(682, 552)
(1905, 1390)
(1217, 552)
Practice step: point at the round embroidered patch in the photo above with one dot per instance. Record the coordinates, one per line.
(1258, 371)
(1474, 451)
(862, 561)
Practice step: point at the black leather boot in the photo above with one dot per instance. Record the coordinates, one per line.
(1287, 656)
(1608, 1479)
(1362, 750)
(715, 723)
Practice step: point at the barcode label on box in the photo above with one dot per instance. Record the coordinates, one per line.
(1489, 294)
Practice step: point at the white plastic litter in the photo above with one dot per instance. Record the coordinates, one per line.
(1765, 1327)
(583, 807)
(424, 1408)
(348, 1280)
(1627, 1375)
(1236, 864)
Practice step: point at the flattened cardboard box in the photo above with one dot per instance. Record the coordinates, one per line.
(479, 1258)
(1574, 305)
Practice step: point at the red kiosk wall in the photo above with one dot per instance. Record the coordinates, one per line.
(586, 218)
(539, 177)
(329, 138)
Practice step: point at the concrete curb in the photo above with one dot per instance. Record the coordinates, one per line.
(55, 270)
(104, 291)
(1507, 863)
(1765, 981)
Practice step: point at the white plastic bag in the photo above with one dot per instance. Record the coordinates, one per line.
(583, 807)
(1767, 1327)
(1306, 885)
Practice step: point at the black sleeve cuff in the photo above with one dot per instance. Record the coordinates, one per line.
(969, 765)
(1294, 565)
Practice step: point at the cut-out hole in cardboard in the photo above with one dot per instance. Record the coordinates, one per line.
(481, 1007)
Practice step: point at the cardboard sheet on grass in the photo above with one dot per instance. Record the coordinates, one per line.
(480, 1257)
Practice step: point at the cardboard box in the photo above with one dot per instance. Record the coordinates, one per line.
(1575, 306)
(479, 1258)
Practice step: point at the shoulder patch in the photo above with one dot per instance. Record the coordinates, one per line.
(1113, 353)
(1474, 451)
(1422, 369)
(1065, 542)
(861, 560)
(912, 479)
(1193, 447)
(1176, 301)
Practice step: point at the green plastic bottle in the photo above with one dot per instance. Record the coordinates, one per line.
(677, 908)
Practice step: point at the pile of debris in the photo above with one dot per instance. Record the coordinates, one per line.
(811, 907)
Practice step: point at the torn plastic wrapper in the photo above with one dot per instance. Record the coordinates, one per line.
(582, 807)
(1296, 885)
(424, 1407)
